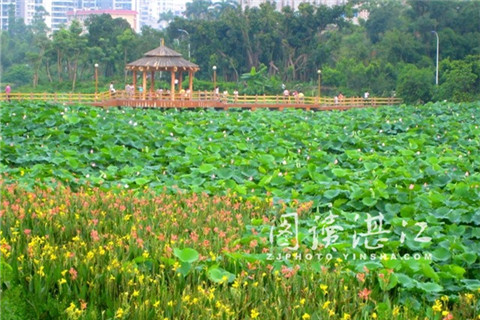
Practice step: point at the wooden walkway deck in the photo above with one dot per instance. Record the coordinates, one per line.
(203, 100)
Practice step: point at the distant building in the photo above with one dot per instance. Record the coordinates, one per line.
(151, 11)
(5, 6)
(129, 15)
(56, 10)
(126, 5)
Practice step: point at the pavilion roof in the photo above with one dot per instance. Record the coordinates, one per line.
(162, 59)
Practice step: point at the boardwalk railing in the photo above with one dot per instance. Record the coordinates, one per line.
(68, 98)
(202, 99)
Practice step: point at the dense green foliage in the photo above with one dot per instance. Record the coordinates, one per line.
(409, 164)
(393, 50)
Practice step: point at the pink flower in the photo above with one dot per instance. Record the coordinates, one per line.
(194, 236)
(94, 235)
(411, 186)
(364, 294)
(361, 277)
(73, 273)
(253, 243)
(27, 231)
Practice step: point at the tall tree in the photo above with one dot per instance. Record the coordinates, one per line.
(103, 32)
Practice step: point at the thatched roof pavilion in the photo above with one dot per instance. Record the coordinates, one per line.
(162, 59)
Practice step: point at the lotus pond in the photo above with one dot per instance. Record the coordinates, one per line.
(133, 214)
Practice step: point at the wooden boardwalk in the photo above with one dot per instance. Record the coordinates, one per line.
(203, 100)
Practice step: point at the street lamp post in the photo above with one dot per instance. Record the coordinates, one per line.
(214, 78)
(188, 35)
(319, 72)
(436, 71)
(96, 79)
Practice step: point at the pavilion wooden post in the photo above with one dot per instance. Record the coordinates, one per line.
(144, 84)
(190, 81)
(172, 85)
(134, 84)
(152, 86)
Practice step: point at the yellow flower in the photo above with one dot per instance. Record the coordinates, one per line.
(254, 314)
(325, 304)
(145, 254)
(302, 301)
(346, 316)
(135, 293)
(212, 256)
(119, 313)
(62, 281)
(236, 283)
(396, 311)
(444, 298)
(331, 313)
(170, 303)
(176, 265)
(437, 307)
(374, 315)
(306, 316)
(445, 313)
(469, 297)
(40, 272)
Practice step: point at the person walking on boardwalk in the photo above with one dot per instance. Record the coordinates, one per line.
(7, 92)
(341, 97)
(235, 95)
(112, 89)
